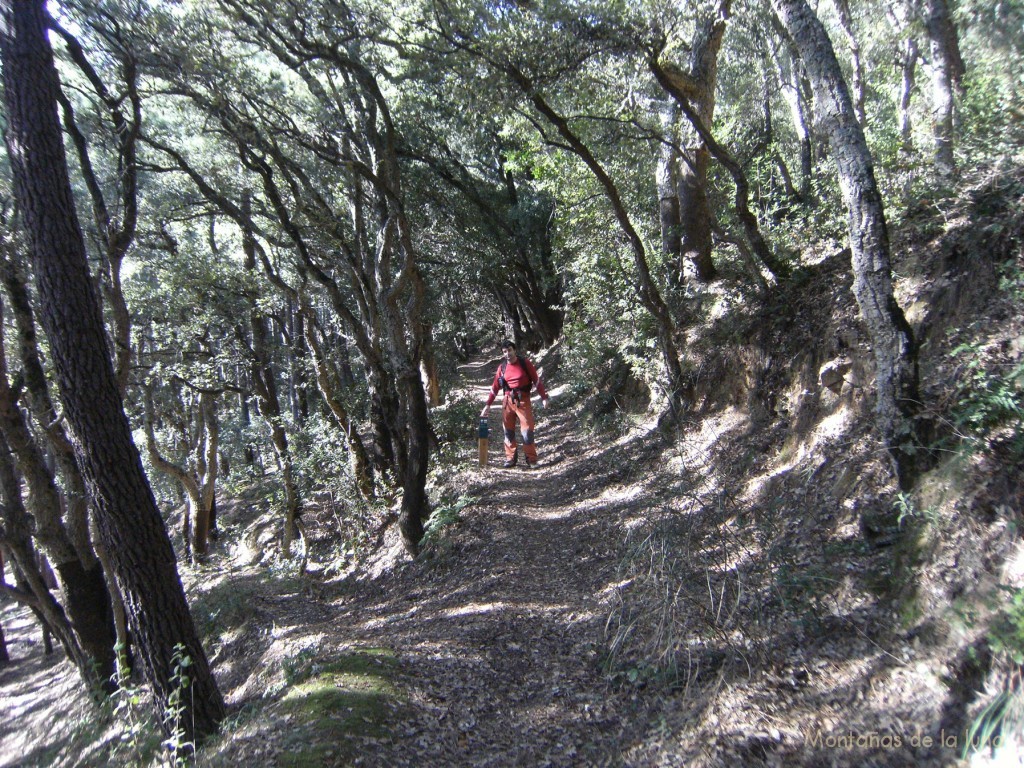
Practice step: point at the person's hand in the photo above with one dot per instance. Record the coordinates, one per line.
(485, 411)
(544, 402)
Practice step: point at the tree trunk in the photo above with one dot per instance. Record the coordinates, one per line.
(695, 215)
(85, 591)
(191, 486)
(362, 472)
(46, 416)
(668, 181)
(947, 70)
(908, 68)
(649, 295)
(5, 657)
(856, 68)
(428, 368)
(208, 469)
(127, 517)
(262, 375)
(24, 560)
(116, 233)
(891, 337)
(297, 364)
(691, 174)
(675, 85)
(797, 93)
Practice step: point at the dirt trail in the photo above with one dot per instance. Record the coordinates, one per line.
(496, 634)
(499, 635)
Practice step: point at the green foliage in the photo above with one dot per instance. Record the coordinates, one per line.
(988, 730)
(455, 421)
(138, 739)
(321, 459)
(443, 517)
(1003, 716)
(907, 510)
(992, 118)
(990, 400)
(1006, 633)
(179, 704)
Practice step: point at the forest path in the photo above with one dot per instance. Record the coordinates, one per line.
(492, 641)
(500, 633)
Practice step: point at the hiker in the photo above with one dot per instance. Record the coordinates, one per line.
(516, 376)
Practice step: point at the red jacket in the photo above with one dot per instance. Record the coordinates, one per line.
(519, 373)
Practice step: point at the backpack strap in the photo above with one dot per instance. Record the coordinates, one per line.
(504, 384)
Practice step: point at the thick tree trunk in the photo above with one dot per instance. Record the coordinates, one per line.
(891, 338)
(667, 182)
(127, 517)
(85, 592)
(695, 215)
(415, 505)
(116, 233)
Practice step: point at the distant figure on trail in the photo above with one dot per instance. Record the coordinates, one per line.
(516, 376)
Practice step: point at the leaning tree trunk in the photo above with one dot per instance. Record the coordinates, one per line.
(891, 337)
(678, 390)
(80, 574)
(24, 560)
(127, 517)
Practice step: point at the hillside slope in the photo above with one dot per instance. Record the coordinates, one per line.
(751, 589)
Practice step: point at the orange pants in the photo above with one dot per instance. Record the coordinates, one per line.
(523, 412)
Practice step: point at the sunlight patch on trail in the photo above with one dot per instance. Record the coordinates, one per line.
(475, 609)
(540, 513)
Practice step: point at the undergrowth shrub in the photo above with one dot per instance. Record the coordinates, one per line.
(455, 422)
(990, 400)
(677, 617)
(998, 728)
(444, 515)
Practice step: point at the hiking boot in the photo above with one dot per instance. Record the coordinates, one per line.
(529, 464)
(509, 463)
